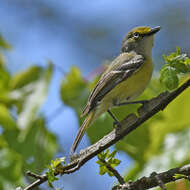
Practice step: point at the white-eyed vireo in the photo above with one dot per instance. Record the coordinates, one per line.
(124, 80)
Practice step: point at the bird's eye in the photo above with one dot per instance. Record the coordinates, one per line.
(136, 35)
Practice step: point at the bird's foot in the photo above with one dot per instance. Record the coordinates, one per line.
(116, 124)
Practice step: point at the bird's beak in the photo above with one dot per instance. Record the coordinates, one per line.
(154, 30)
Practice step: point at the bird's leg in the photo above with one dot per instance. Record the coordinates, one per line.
(116, 122)
(143, 102)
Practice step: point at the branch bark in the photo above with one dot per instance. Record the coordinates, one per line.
(152, 181)
(129, 124)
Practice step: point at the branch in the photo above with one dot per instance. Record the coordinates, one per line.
(160, 182)
(114, 171)
(152, 181)
(129, 124)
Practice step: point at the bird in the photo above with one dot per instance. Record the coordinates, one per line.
(124, 80)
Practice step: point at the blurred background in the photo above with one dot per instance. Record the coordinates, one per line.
(84, 34)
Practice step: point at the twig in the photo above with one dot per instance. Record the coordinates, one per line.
(114, 171)
(36, 176)
(145, 183)
(129, 124)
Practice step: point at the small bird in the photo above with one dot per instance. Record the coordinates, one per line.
(124, 80)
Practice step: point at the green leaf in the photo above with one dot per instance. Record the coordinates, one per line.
(179, 176)
(110, 173)
(31, 98)
(179, 62)
(4, 44)
(102, 170)
(4, 85)
(107, 153)
(3, 142)
(58, 161)
(181, 67)
(102, 156)
(6, 119)
(175, 56)
(115, 162)
(187, 63)
(74, 89)
(37, 147)
(10, 165)
(178, 50)
(100, 163)
(112, 155)
(51, 177)
(169, 78)
(25, 77)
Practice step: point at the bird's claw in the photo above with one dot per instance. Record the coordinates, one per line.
(116, 124)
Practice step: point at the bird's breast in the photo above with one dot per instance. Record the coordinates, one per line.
(132, 87)
(127, 90)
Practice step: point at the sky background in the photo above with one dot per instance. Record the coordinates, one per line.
(84, 33)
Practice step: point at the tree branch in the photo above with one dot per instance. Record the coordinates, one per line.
(129, 124)
(152, 181)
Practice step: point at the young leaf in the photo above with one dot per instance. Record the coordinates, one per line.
(169, 78)
(102, 170)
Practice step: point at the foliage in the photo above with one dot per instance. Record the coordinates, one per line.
(4, 44)
(105, 158)
(179, 176)
(52, 169)
(146, 145)
(176, 64)
(25, 142)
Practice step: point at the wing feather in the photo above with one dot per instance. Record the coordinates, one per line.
(120, 70)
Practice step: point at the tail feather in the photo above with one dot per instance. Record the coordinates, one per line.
(81, 131)
(85, 110)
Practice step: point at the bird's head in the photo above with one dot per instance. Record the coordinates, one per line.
(140, 40)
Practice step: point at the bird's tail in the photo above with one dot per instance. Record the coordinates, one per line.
(82, 130)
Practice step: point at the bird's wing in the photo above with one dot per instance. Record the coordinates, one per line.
(120, 69)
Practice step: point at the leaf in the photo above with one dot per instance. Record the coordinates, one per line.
(25, 77)
(6, 121)
(4, 85)
(74, 89)
(4, 44)
(100, 163)
(169, 78)
(178, 61)
(9, 170)
(37, 148)
(106, 153)
(102, 155)
(115, 162)
(3, 142)
(32, 97)
(102, 170)
(110, 173)
(112, 155)
(181, 67)
(179, 176)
